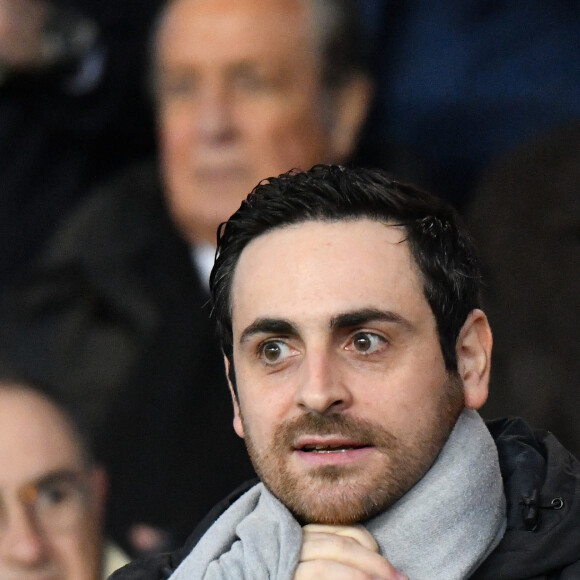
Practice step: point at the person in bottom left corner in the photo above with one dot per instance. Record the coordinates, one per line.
(52, 492)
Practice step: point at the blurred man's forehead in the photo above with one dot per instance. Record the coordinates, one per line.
(36, 439)
(292, 12)
(222, 18)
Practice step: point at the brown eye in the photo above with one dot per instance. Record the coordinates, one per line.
(367, 342)
(272, 351)
(362, 343)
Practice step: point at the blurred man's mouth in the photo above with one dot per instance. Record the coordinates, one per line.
(220, 174)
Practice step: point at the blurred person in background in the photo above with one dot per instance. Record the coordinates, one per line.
(52, 493)
(525, 215)
(114, 309)
(460, 83)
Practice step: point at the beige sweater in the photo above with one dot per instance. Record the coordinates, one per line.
(113, 559)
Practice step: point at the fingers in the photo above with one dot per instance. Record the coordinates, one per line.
(357, 533)
(327, 570)
(336, 552)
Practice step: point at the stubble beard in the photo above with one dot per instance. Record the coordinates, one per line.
(344, 495)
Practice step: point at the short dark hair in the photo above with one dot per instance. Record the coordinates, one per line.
(439, 242)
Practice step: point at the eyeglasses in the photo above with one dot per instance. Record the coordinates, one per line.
(56, 502)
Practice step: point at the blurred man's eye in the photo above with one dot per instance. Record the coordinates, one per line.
(180, 86)
(251, 80)
(57, 493)
(57, 502)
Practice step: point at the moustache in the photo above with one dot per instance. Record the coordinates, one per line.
(359, 430)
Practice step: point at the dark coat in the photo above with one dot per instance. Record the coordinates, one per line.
(57, 144)
(542, 487)
(115, 316)
(525, 217)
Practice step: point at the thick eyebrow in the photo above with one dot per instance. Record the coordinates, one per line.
(268, 326)
(366, 315)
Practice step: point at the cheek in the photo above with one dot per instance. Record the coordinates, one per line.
(262, 412)
(174, 150)
(83, 553)
(403, 394)
(174, 136)
(289, 141)
(73, 555)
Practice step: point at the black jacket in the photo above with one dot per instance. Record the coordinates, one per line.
(56, 144)
(542, 487)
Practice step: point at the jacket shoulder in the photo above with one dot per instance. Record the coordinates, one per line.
(542, 488)
(161, 567)
(152, 568)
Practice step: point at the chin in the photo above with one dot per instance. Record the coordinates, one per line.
(328, 500)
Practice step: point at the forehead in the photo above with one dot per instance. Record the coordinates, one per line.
(215, 31)
(34, 438)
(315, 270)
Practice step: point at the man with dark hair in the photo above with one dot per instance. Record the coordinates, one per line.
(52, 493)
(357, 354)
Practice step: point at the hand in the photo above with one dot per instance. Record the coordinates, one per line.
(342, 553)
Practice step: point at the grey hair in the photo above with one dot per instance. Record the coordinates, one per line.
(340, 39)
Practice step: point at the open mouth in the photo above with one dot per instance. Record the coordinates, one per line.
(320, 448)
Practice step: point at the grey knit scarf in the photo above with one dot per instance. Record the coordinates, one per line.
(444, 527)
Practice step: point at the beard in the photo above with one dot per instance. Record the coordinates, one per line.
(344, 495)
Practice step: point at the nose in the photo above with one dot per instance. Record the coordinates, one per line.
(215, 115)
(21, 541)
(322, 387)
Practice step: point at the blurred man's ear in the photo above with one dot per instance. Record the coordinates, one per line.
(238, 426)
(474, 358)
(351, 104)
(100, 488)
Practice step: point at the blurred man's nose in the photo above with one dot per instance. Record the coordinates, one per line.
(21, 540)
(215, 116)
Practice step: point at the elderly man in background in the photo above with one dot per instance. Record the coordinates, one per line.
(52, 494)
(114, 310)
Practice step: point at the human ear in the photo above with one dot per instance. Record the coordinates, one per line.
(100, 489)
(238, 425)
(351, 104)
(473, 349)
